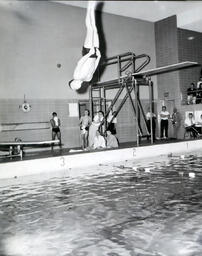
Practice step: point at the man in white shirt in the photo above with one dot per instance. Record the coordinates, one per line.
(99, 141)
(164, 116)
(189, 124)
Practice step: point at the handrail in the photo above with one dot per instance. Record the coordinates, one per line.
(144, 64)
(113, 60)
(130, 57)
(120, 55)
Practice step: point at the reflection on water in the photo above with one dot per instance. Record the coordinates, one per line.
(125, 213)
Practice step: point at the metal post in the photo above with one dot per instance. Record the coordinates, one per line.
(151, 109)
(134, 81)
(133, 66)
(91, 101)
(100, 99)
(143, 114)
(105, 108)
(132, 103)
(115, 99)
(118, 67)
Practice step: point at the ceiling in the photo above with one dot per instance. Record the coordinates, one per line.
(188, 12)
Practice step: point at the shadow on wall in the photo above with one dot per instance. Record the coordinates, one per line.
(102, 47)
(101, 38)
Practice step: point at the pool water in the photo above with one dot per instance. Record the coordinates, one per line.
(123, 212)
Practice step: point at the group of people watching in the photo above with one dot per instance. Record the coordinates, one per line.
(92, 132)
(164, 116)
(93, 135)
(190, 124)
(194, 93)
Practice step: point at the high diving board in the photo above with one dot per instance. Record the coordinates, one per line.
(147, 73)
(10, 145)
(166, 69)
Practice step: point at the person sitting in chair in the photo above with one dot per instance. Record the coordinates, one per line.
(111, 140)
(189, 124)
(87, 65)
(191, 94)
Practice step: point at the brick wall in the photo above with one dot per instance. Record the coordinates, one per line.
(41, 111)
(173, 46)
(43, 34)
(189, 50)
(167, 53)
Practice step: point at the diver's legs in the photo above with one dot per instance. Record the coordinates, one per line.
(91, 39)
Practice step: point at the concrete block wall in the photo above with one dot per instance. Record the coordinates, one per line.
(190, 48)
(166, 54)
(41, 111)
(173, 46)
(38, 35)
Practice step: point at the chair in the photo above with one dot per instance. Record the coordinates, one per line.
(189, 133)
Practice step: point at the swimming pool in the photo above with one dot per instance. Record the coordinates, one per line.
(121, 212)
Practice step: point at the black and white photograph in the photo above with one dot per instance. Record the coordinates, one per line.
(100, 128)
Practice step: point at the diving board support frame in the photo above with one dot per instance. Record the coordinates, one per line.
(129, 84)
(131, 81)
(135, 87)
(124, 82)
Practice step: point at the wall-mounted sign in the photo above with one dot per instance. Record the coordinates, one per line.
(73, 110)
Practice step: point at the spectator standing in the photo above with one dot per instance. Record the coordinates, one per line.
(85, 122)
(199, 92)
(164, 116)
(191, 94)
(150, 115)
(55, 124)
(92, 130)
(175, 119)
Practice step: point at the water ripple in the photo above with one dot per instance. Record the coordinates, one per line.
(126, 211)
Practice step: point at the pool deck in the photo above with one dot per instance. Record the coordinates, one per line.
(50, 161)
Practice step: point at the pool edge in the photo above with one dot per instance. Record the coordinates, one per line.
(68, 163)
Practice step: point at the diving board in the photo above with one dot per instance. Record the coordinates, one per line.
(147, 73)
(19, 145)
(166, 69)
(28, 143)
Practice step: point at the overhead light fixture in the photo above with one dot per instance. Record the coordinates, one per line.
(190, 37)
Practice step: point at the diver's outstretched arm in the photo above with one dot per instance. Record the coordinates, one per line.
(97, 59)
